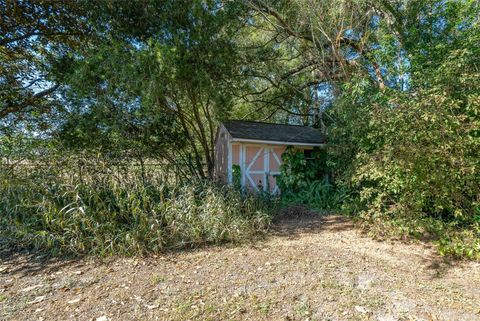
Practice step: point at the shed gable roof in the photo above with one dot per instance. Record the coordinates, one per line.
(251, 130)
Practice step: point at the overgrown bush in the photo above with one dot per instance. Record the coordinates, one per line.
(297, 172)
(305, 181)
(318, 195)
(412, 158)
(100, 213)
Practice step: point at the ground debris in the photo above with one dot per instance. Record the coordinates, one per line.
(74, 301)
(30, 288)
(37, 299)
(309, 268)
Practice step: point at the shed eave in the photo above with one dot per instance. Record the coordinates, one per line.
(275, 142)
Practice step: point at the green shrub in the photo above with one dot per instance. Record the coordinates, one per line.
(237, 176)
(297, 172)
(317, 194)
(411, 158)
(103, 214)
(304, 181)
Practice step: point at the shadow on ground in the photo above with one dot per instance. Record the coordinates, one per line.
(440, 265)
(295, 227)
(27, 262)
(304, 223)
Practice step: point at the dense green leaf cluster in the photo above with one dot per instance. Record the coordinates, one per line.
(305, 180)
(412, 157)
(297, 172)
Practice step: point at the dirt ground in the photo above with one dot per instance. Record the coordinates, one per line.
(309, 269)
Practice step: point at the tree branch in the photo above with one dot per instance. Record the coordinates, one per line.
(27, 102)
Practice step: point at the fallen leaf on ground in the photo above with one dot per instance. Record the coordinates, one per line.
(30, 288)
(37, 299)
(74, 301)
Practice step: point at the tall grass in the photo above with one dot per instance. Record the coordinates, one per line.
(103, 214)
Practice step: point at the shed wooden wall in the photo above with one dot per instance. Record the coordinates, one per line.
(221, 155)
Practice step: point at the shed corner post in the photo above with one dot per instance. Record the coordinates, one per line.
(229, 162)
(242, 164)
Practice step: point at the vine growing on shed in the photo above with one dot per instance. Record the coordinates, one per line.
(297, 171)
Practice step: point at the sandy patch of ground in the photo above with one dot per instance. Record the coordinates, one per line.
(310, 269)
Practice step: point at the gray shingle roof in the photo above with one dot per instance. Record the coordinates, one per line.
(242, 129)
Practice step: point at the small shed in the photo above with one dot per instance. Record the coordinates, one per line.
(255, 150)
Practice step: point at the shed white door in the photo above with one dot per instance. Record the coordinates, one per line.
(260, 166)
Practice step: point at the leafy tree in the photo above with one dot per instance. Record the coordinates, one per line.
(35, 38)
(176, 59)
(318, 44)
(415, 152)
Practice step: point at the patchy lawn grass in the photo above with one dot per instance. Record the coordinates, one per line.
(315, 269)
